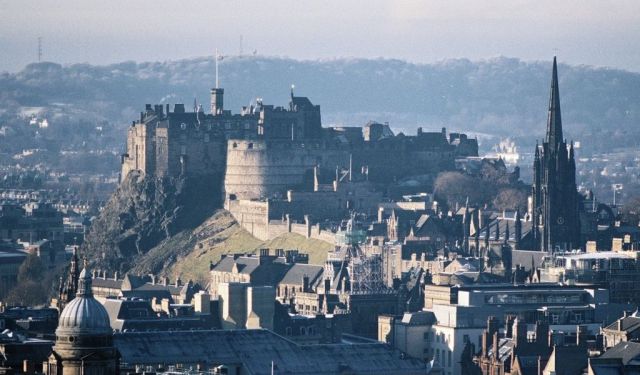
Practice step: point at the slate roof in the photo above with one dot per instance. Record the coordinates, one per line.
(629, 324)
(107, 283)
(524, 258)
(569, 360)
(255, 350)
(268, 273)
(625, 351)
(295, 274)
(419, 318)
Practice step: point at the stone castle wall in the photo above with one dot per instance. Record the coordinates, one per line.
(262, 169)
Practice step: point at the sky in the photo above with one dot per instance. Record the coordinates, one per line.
(580, 32)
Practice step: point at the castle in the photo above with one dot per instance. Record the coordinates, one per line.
(274, 162)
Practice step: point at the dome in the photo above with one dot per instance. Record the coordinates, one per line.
(84, 314)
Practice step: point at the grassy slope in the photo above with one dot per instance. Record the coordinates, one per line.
(188, 253)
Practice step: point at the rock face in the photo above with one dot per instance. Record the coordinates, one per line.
(144, 211)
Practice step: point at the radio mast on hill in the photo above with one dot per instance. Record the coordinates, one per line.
(39, 49)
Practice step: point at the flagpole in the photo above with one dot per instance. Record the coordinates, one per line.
(272, 368)
(216, 58)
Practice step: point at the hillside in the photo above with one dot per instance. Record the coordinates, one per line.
(188, 254)
(502, 96)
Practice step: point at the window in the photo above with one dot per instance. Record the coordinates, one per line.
(183, 126)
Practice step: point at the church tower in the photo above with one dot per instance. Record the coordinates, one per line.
(555, 197)
(67, 289)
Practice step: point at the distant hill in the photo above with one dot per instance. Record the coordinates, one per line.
(502, 96)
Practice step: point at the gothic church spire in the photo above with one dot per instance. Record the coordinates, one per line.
(554, 119)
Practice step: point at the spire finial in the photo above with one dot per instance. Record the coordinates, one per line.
(554, 119)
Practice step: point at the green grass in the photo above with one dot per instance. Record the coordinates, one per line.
(188, 255)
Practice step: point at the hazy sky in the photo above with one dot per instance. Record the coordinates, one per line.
(598, 32)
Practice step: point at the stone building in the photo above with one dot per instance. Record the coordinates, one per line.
(623, 330)
(555, 199)
(38, 226)
(84, 339)
(516, 352)
(617, 271)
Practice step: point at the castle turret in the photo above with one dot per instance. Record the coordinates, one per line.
(217, 101)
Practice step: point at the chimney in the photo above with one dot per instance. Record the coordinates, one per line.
(556, 339)
(581, 335)
(519, 332)
(485, 343)
(542, 332)
(495, 346)
(380, 214)
(305, 283)
(508, 326)
(327, 286)
(115, 276)
(492, 325)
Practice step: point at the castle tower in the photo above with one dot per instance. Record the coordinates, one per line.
(217, 101)
(554, 193)
(84, 339)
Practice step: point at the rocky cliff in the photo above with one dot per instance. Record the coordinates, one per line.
(175, 228)
(145, 211)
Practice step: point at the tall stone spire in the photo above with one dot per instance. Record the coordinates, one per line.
(554, 119)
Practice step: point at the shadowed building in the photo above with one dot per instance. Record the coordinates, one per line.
(555, 198)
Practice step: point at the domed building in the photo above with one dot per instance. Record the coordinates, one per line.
(84, 338)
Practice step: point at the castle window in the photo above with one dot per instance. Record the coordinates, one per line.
(183, 126)
(235, 145)
(250, 145)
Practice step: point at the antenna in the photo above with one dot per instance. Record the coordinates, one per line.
(240, 54)
(39, 49)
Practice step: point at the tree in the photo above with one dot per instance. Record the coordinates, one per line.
(27, 293)
(455, 187)
(631, 211)
(31, 269)
(510, 199)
